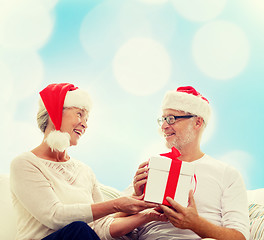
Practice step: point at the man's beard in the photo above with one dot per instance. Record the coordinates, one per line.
(181, 142)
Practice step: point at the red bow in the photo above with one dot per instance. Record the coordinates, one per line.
(174, 154)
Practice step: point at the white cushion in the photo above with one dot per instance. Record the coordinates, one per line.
(256, 216)
(256, 196)
(109, 192)
(257, 229)
(7, 216)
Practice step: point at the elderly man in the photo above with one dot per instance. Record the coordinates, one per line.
(218, 209)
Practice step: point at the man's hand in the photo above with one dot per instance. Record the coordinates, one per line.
(188, 218)
(140, 179)
(179, 216)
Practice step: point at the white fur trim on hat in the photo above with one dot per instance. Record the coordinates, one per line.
(58, 141)
(78, 98)
(186, 102)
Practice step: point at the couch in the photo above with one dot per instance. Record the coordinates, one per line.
(8, 226)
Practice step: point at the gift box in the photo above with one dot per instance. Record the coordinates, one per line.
(169, 177)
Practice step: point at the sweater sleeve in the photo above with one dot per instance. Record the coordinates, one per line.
(102, 225)
(35, 194)
(234, 202)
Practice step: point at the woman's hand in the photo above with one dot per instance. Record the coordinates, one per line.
(125, 224)
(154, 214)
(132, 205)
(140, 178)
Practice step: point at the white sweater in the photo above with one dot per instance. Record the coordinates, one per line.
(220, 198)
(49, 195)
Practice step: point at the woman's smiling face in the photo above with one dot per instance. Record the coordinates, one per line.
(74, 122)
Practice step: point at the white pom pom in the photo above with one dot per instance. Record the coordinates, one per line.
(58, 141)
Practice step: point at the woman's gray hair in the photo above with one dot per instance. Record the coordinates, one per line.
(42, 117)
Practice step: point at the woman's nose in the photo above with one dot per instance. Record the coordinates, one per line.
(84, 124)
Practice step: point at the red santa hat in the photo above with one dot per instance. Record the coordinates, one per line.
(187, 99)
(54, 98)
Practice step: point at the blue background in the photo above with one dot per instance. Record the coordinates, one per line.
(127, 54)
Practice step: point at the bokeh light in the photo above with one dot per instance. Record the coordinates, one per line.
(119, 25)
(153, 1)
(6, 76)
(99, 40)
(27, 25)
(142, 66)
(221, 50)
(199, 10)
(258, 5)
(241, 160)
(27, 72)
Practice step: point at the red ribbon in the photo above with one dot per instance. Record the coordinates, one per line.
(174, 174)
(173, 155)
(172, 181)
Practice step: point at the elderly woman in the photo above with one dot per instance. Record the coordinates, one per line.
(57, 196)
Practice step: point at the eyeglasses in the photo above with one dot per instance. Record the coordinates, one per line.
(172, 119)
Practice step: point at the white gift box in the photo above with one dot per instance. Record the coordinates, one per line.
(168, 177)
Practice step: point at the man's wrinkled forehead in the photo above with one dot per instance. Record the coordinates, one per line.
(168, 111)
